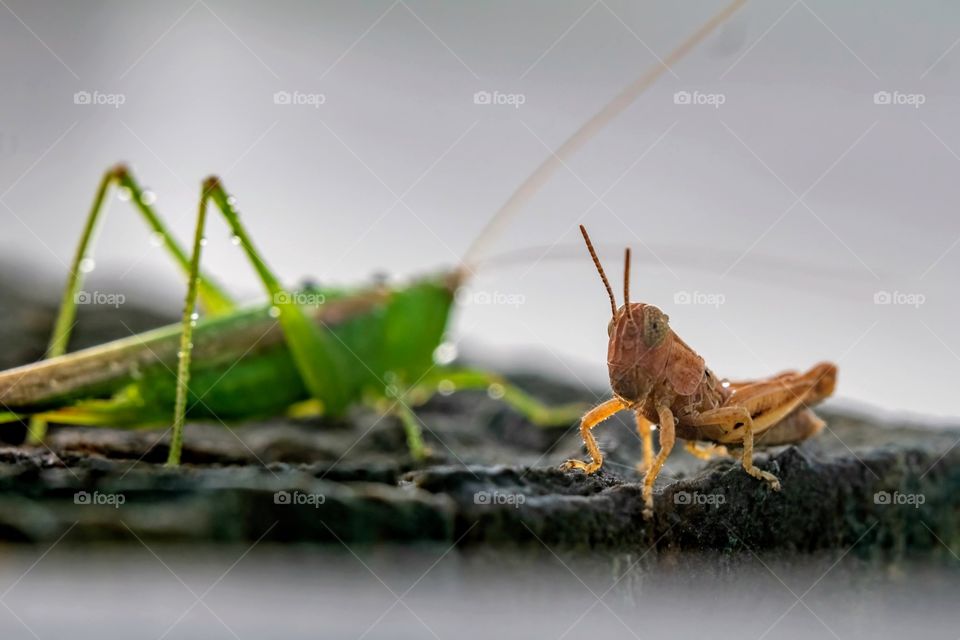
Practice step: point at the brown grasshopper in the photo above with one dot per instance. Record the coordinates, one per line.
(663, 381)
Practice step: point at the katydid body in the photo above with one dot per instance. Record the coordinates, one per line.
(335, 347)
(241, 365)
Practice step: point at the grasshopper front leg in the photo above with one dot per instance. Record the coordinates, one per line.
(592, 418)
(645, 430)
(667, 439)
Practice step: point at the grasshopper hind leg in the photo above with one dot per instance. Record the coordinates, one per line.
(734, 419)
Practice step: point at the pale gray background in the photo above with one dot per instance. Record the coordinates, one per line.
(398, 170)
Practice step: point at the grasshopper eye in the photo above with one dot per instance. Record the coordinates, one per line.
(655, 326)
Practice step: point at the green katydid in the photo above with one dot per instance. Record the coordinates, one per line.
(371, 345)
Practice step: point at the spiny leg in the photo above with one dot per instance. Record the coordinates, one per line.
(706, 450)
(413, 430)
(645, 429)
(214, 300)
(398, 405)
(186, 340)
(592, 418)
(445, 379)
(531, 408)
(667, 438)
(747, 459)
(760, 406)
(731, 419)
(314, 350)
(317, 354)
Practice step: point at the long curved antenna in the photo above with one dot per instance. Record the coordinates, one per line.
(587, 131)
(603, 276)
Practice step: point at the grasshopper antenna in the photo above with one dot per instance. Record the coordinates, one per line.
(626, 283)
(626, 277)
(603, 276)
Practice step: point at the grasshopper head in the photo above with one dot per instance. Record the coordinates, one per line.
(644, 352)
(641, 343)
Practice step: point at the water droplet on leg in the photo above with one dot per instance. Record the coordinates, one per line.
(445, 353)
(446, 387)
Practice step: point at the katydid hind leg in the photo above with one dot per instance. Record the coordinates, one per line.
(318, 353)
(314, 350)
(212, 297)
(186, 338)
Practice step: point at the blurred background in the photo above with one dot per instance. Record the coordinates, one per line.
(789, 189)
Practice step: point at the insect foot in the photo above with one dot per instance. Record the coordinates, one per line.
(586, 467)
(647, 503)
(772, 481)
